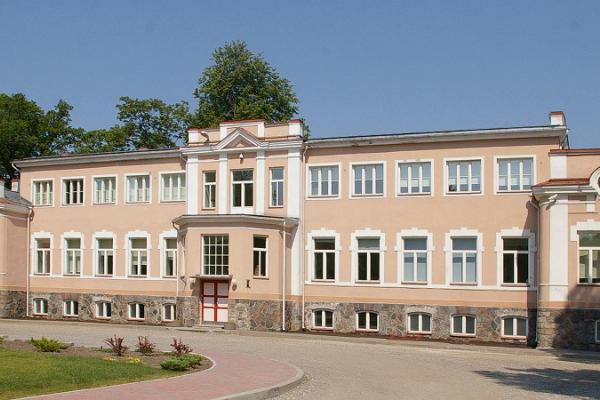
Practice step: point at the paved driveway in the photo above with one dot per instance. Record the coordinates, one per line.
(340, 368)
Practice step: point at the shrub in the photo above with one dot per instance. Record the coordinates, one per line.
(180, 348)
(116, 345)
(192, 359)
(175, 364)
(1, 340)
(145, 346)
(47, 345)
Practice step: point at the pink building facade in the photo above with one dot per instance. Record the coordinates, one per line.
(474, 235)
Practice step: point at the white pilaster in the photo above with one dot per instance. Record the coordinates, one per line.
(260, 182)
(293, 184)
(558, 282)
(191, 172)
(222, 183)
(558, 166)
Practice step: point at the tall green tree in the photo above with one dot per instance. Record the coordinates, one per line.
(242, 85)
(103, 140)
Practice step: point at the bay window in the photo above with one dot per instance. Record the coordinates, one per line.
(215, 258)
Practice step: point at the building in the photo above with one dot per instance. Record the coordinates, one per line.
(471, 235)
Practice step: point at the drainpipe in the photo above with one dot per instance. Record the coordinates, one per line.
(302, 245)
(538, 267)
(29, 214)
(283, 274)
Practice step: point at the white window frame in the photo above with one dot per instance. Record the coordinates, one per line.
(589, 249)
(148, 188)
(367, 321)
(70, 308)
(39, 306)
(429, 161)
(172, 234)
(204, 266)
(514, 335)
(367, 234)
(181, 191)
(261, 250)
(463, 233)
(34, 252)
(497, 160)
(464, 193)
(101, 308)
(115, 195)
(128, 249)
(273, 181)
(243, 208)
(414, 233)
(64, 251)
(138, 309)
(515, 233)
(366, 164)
(589, 225)
(310, 249)
(34, 192)
(464, 325)
(323, 319)
(64, 192)
(210, 186)
(96, 250)
(420, 330)
(173, 307)
(309, 196)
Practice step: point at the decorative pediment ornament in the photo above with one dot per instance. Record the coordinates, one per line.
(239, 138)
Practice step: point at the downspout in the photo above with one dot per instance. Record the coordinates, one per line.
(28, 289)
(538, 268)
(302, 245)
(283, 278)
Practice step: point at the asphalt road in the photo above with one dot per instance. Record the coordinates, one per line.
(366, 368)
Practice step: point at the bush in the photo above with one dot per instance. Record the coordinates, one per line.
(145, 346)
(116, 345)
(180, 348)
(182, 363)
(47, 345)
(192, 359)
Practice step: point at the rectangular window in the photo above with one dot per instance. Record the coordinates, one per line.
(324, 259)
(42, 256)
(464, 176)
(243, 188)
(169, 312)
(368, 180)
(103, 310)
(419, 323)
(514, 327)
(105, 190)
(40, 306)
(43, 193)
(324, 181)
(170, 257)
(72, 256)
(210, 189)
(414, 178)
(464, 260)
(277, 187)
(515, 174)
(172, 187)
(323, 319)
(415, 260)
(216, 254)
(136, 311)
(368, 254)
(463, 325)
(260, 256)
(589, 257)
(105, 257)
(515, 260)
(72, 191)
(70, 308)
(138, 257)
(138, 189)
(367, 321)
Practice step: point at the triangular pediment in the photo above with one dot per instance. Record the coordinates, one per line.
(239, 139)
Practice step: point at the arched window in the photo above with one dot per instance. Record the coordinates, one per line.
(103, 310)
(419, 323)
(136, 311)
(367, 321)
(169, 312)
(463, 325)
(515, 327)
(323, 319)
(40, 307)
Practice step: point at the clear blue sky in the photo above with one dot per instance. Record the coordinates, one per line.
(358, 67)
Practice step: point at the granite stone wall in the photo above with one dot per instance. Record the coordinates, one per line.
(264, 315)
(568, 328)
(12, 304)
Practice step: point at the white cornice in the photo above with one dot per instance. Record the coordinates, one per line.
(98, 158)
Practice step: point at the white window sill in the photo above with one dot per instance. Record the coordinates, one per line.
(324, 280)
(521, 285)
(264, 278)
(367, 330)
(368, 282)
(104, 204)
(463, 283)
(319, 328)
(417, 283)
(513, 337)
(137, 276)
(463, 335)
(171, 201)
(419, 333)
(418, 194)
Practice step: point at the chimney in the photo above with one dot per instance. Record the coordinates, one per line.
(14, 184)
(557, 118)
(2, 183)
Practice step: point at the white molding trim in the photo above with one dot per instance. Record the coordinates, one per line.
(259, 196)
(481, 178)
(413, 233)
(514, 157)
(589, 225)
(222, 183)
(351, 194)
(318, 234)
(515, 232)
(192, 181)
(397, 163)
(294, 183)
(463, 233)
(367, 233)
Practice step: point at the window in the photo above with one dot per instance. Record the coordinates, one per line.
(72, 256)
(368, 180)
(170, 257)
(323, 319)
(70, 308)
(324, 181)
(138, 189)
(136, 311)
(103, 310)
(216, 255)
(260, 256)
(464, 176)
(277, 187)
(515, 174)
(514, 327)
(42, 256)
(243, 188)
(419, 323)
(40, 306)
(172, 187)
(368, 259)
(72, 191)
(210, 189)
(324, 259)
(169, 312)
(105, 190)
(367, 321)
(597, 329)
(463, 325)
(515, 260)
(464, 260)
(589, 257)
(43, 194)
(414, 260)
(414, 178)
(138, 257)
(105, 256)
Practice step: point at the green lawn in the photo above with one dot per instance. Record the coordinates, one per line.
(26, 374)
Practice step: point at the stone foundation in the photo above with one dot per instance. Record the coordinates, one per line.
(12, 304)
(568, 328)
(263, 315)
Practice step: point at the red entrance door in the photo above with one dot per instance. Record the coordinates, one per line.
(214, 301)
